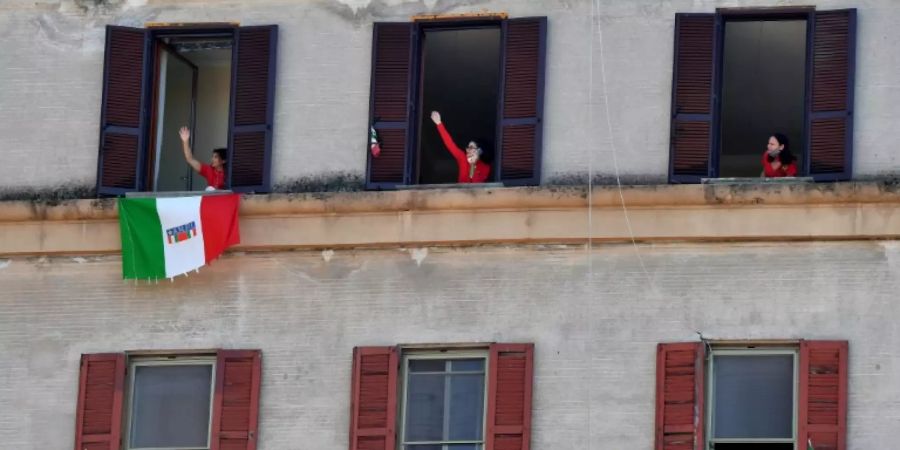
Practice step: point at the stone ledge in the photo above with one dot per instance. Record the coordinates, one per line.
(855, 210)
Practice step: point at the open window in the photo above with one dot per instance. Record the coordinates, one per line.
(751, 396)
(742, 74)
(452, 398)
(169, 401)
(484, 76)
(216, 79)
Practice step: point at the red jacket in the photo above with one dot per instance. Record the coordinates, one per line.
(482, 170)
(214, 178)
(787, 170)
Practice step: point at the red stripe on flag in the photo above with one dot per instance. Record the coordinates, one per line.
(219, 218)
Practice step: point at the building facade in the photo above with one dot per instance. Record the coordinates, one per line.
(594, 295)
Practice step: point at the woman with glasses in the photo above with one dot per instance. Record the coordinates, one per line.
(471, 168)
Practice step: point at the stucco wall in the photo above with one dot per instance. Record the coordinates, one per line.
(595, 318)
(50, 67)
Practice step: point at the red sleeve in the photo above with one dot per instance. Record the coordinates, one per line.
(448, 142)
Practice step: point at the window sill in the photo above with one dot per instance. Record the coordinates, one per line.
(412, 187)
(768, 211)
(757, 180)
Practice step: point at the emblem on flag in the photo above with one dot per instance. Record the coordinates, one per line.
(181, 233)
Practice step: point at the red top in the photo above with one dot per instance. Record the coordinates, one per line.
(482, 170)
(786, 170)
(214, 178)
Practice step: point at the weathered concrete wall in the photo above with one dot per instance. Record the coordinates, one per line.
(595, 317)
(620, 62)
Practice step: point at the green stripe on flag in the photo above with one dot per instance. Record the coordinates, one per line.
(142, 242)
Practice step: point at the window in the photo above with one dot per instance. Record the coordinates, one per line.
(449, 398)
(485, 76)
(169, 401)
(217, 79)
(752, 396)
(443, 401)
(752, 399)
(742, 74)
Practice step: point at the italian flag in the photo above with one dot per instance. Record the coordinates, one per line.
(167, 237)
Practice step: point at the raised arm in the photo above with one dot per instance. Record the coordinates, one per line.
(445, 136)
(185, 135)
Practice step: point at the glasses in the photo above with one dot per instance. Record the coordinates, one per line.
(472, 146)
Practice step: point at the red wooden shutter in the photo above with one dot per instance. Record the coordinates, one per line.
(235, 415)
(98, 424)
(390, 103)
(122, 112)
(522, 107)
(822, 413)
(679, 396)
(511, 370)
(694, 113)
(373, 402)
(830, 110)
(252, 108)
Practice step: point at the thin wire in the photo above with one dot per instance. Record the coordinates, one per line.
(612, 141)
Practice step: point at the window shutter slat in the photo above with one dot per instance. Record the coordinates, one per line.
(830, 106)
(390, 103)
(679, 396)
(122, 112)
(694, 113)
(373, 403)
(253, 107)
(511, 371)
(822, 392)
(99, 413)
(522, 101)
(235, 415)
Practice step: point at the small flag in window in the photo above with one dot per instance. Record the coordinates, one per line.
(374, 146)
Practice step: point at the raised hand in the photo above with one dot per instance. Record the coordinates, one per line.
(436, 117)
(185, 134)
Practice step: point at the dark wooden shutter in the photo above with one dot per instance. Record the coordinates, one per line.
(822, 413)
(679, 396)
(373, 402)
(390, 103)
(235, 415)
(521, 108)
(122, 111)
(252, 108)
(694, 111)
(98, 423)
(830, 108)
(511, 370)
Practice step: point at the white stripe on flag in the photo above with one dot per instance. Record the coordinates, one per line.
(181, 215)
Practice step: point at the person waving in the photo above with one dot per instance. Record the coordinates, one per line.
(471, 168)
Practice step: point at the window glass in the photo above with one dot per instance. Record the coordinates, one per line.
(754, 396)
(444, 403)
(170, 406)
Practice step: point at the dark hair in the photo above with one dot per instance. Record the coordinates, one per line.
(785, 156)
(222, 152)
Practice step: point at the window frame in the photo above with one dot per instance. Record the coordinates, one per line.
(750, 350)
(754, 14)
(172, 360)
(414, 161)
(445, 354)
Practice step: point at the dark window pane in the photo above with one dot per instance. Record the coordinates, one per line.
(425, 408)
(466, 407)
(756, 446)
(170, 406)
(441, 447)
(425, 447)
(754, 396)
(467, 365)
(427, 365)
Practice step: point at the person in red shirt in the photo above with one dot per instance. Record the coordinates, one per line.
(471, 168)
(778, 161)
(214, 172)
